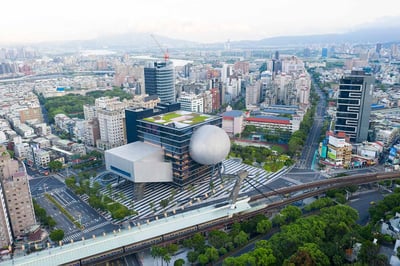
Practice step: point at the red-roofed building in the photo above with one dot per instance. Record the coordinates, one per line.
(273, 123)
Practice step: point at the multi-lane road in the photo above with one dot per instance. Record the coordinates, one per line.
(311, 145)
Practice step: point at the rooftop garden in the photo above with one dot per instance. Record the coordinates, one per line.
(183, 117)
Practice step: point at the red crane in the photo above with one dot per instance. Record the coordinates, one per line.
(165, 52)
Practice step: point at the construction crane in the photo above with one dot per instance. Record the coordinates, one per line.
(165, 52)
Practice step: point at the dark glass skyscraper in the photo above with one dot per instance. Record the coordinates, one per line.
(159, 80)
(354, 105)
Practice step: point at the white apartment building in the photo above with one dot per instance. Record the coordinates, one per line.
(38, 157)
(192, 103)
(292, 64)
(387, 135)
(112, 128)
(89, 111)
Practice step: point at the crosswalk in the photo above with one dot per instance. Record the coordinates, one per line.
(77, 235)
(155, 192)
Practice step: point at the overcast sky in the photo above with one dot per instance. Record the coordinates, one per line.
(193, 20)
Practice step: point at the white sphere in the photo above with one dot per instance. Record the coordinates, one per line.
(209, 145)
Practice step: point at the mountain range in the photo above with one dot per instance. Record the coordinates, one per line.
(386, 30)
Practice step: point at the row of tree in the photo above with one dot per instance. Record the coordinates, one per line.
(82, 185)
(41, 214)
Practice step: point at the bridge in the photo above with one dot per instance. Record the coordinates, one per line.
(176, 225)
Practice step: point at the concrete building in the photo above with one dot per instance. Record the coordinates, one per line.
(21, 150)
(354, 105)
(338, 150)
(253, 95)
(232, 122)
(89, 112)
(16, 197)
(273, 123)
(6, 237)
(30, 113)
(159, 80)
(41, 158)
(25, 131)
(112, 128)
(92, 132)
(191, 102)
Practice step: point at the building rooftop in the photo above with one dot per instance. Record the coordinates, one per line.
(233, 113)
(269, 119)
(280, 111)
(179, 118)
(134, 151)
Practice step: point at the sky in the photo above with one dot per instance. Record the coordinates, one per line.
(24, 21)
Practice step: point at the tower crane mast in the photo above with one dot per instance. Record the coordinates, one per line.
(165, 52)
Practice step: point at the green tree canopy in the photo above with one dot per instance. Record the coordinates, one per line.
(57, 235)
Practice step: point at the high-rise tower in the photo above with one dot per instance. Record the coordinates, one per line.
(159, 80)
(354, 105)
(15, 198)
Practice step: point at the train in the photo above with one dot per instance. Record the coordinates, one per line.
(165, 238)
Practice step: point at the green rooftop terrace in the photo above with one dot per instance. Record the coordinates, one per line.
(180, 118)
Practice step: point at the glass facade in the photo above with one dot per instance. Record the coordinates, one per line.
(175, 141)
(159, 80)
(354, 106)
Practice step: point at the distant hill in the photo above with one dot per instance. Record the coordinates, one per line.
(370, 35)
(384, 30)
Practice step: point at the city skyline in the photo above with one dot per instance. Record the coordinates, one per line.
(200, 21)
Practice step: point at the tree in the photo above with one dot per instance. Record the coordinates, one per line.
(264, 226)
(263, 256)
(192, 256)
(57, 235)
(198, 242)
(203, 259)
(164, 203)
(309, 254)
(50, 222)
(291, 213)
(241, 239)
(218, 238)
(55, 166)
(212, 254)
(179, 262)
(368, 252)
(158, 252)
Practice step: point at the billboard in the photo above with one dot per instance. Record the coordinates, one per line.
(393, 151)
(331, 154)
(337, 142)
(323, 151)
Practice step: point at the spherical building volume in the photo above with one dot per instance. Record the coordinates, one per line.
(209, 145)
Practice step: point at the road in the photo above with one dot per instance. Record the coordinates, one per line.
(311, 145)
(361, 202)
(92, 222)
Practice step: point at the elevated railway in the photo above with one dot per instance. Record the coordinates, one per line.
(184, 225)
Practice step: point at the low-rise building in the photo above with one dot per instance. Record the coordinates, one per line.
(336, 150)
(232, 122)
